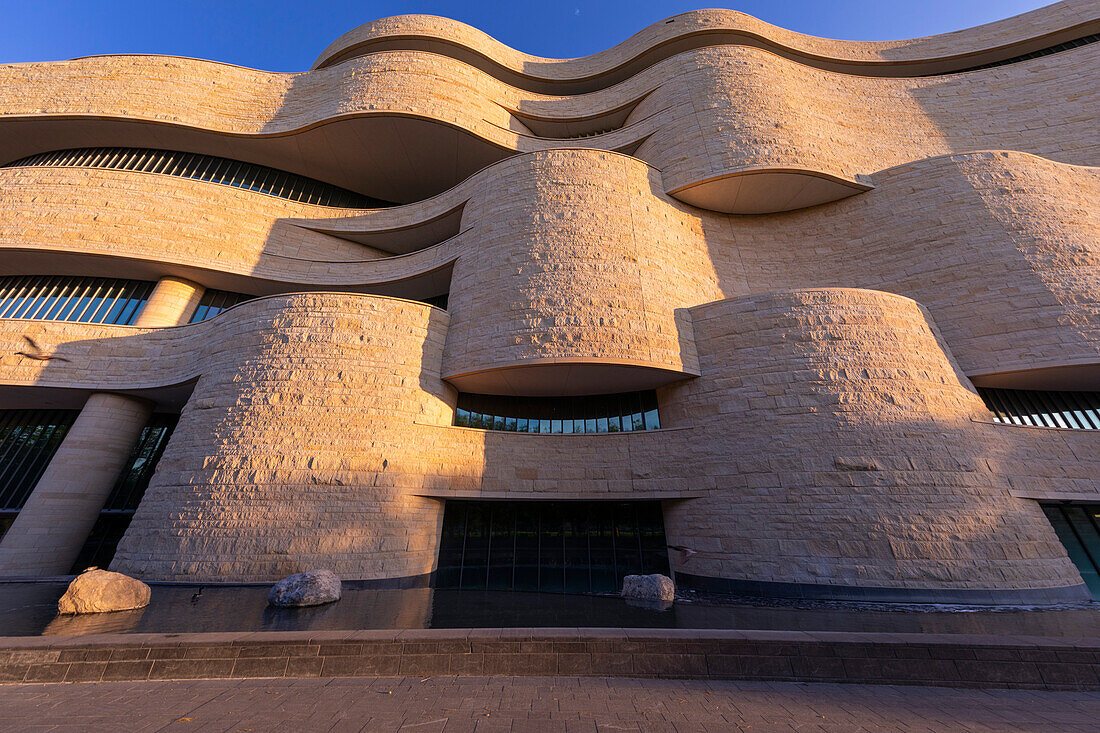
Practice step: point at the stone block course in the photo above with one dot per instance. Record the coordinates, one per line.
(815, 367)
(956, 661)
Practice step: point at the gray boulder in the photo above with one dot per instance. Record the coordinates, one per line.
(649, 587)
(312, 588)
(101, 591)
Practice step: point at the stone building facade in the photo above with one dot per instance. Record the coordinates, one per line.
(777, 314)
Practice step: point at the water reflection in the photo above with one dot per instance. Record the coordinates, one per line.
(28, 609)
(118, 622)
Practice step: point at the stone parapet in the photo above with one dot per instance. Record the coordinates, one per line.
(943, 660)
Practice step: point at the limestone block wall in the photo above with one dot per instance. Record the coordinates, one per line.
(830, 439)
(160, 218)
(578, 254)
(569, 266)
(1002, 248)
(737, 110)
(702, 115)
(703, 28)
(296, 448)
(840, 434)
(813, 366)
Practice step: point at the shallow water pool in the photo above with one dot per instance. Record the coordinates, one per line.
(28, 609)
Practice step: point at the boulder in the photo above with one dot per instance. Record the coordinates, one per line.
(649, 587)
(101, 591)
(312, 588)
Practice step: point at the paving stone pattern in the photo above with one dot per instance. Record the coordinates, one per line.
(916, 659)
(532, 705)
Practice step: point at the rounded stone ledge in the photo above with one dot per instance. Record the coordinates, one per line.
(701, 28)
(569, 376)
(112, 358)
(1054, 374)
(767, 191)
(719, 122)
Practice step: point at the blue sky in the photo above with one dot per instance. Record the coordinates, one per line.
(287, 35)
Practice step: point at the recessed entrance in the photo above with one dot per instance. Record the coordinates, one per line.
(567, 546)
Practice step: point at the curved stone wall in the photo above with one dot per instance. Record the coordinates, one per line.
(703, 28)
(830, 440)
(847, 453)
(770, 135)
(294, 449)
(814, 351)
(578, 257)
(732, 128)
(569, 271)
(1002, 248)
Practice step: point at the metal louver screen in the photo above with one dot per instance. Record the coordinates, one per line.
(207, 168)
(28, 440)
(1040, 408)
(571, 547)
(215, 301)
(83, 299)
(612, 413)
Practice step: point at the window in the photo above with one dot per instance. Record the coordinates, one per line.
(1057, 48)
(123, 501)
(207, 168)
(560, 547)
(214, 302)
(1078, 527)
(613, 413)
(28, 440)
(439, 301)
(1074, 410)
(83, 299)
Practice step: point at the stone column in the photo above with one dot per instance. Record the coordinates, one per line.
(172, 303)
(54, 524)
(49, 531)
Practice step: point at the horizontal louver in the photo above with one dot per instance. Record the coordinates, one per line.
(215, 301)
(1041, 408)
(28, 440)
(595, 414)
(207, 168)
(82, 299)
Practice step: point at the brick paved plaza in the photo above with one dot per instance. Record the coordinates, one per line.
(532, 704)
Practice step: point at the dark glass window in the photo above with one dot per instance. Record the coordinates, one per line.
(1057, 48)
(207, 168)
(28, 440)
(123, 501)
(1075, 410)
(612, 413)
(82, 299)
(439, 301)
(1078, 527)
(570, 547)
(214, 302)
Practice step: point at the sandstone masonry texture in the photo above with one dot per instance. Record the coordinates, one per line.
(813, 250)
